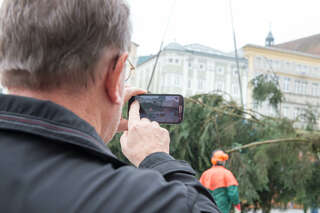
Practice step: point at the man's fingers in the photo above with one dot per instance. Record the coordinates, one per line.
(145, 120)
(134, 115)
(123, 125)
(129, 92)
(132, 91)
(124, 138)
(155, 124)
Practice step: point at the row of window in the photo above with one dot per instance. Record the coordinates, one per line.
(201, 66)
(299, 87)
(286, 111)
(293, 113)
(173, 61)
(175, 80)
(280, 65)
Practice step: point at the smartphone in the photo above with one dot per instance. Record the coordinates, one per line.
(163, 108)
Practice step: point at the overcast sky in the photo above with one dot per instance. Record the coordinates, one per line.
(208, 22)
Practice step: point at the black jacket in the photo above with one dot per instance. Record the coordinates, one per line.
(53, 161)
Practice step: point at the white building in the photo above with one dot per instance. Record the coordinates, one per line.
(192, 69)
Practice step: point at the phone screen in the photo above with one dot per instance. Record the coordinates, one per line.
(161, 108)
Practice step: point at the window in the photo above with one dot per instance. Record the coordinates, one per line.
(170, 60)
(211, 67)
(276, 64)
(201, 66)
(201, 73)
(304, 87)
(265, 64)
(176, 80)
(189, 83)
(297, 86)
(286, 84)
(235, 90)
(300, 87)
(220, 70)
(190, 73)
(314, 89)
(258, 62)
(201, 83)
(177, 61)
(219, 85)
(172, 79)
(266, 109)
(234, 71)
(189, 65)
(168, 79)
(288, 66)
(270, 63)
(299, 68)
(296, 112)
(293, 67)
(281, 65)
(285, 112)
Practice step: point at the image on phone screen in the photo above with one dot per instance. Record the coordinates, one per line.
(161, 108)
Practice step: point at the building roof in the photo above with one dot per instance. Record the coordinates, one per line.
(283, 50)
(174, 46)
(142, 59)
(310, 45)
(196, 49)
(203, 49)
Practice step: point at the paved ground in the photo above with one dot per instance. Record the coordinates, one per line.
(285, 211)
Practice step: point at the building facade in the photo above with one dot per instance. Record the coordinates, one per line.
(192, 69)
(195, 69)
(298, 74)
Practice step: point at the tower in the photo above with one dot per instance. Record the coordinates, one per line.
(269, 39)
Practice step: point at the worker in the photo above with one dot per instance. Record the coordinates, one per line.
(221, 183)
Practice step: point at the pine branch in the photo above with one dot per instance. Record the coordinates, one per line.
(216, 109)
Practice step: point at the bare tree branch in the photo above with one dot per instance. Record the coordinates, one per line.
(257, 143)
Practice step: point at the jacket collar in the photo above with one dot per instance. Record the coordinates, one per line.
(45, 118)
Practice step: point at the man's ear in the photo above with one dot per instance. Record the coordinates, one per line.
(115, 79)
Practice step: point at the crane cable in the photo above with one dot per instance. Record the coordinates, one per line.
(236, 52)
(161, 45)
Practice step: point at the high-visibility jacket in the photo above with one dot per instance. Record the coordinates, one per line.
(223, 186)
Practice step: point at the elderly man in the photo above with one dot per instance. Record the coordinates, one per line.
(62, 62)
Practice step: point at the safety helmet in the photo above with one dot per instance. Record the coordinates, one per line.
(217, 156)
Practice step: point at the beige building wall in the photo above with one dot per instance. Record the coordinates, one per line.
(298, 74)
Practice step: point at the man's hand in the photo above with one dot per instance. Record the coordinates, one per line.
(128, 93)
(143, 137)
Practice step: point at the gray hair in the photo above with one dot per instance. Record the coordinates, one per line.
(47, 44)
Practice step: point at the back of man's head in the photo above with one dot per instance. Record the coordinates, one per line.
(48, 44)
(219, 158)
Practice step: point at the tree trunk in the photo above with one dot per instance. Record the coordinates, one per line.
(266, 200)
(266, 209)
